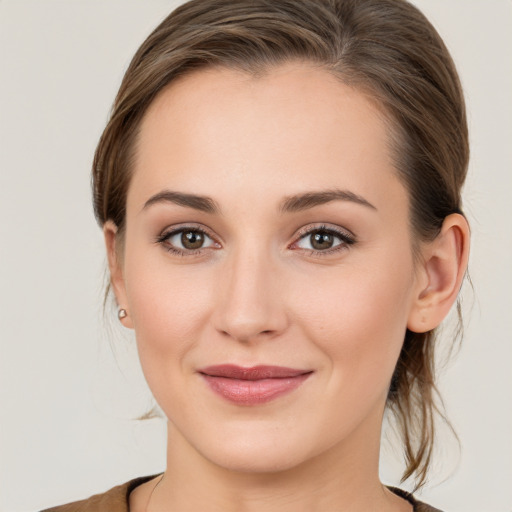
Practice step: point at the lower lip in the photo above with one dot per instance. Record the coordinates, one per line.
(253, 392)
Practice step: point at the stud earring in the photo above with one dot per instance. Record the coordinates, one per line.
(122, 314)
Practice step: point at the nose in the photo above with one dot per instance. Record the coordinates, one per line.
(250, 303)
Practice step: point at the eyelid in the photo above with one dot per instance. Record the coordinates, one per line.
(169, 232)
(337, 230)
(346, 236)
(192, 226)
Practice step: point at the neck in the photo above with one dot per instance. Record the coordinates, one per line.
(343, 478)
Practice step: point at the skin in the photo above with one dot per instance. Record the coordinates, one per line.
(258, 292)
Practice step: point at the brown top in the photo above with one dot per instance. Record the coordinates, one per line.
(117, 500)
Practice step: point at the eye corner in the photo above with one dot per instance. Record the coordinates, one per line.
(345, 237)
(164, 239)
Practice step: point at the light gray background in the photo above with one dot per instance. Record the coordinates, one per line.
(66, 402)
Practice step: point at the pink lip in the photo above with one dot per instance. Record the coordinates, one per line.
(255, 385)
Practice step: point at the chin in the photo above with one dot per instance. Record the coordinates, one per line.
(255, 459)
(253, 449)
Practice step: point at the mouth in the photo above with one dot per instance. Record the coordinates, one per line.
(254, 385)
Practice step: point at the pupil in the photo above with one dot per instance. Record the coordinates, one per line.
(192, 239)
(322, 240)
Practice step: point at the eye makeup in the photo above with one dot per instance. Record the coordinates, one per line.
(322, 235)
(323, 240)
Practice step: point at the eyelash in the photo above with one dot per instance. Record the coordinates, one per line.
(347, 239)
(166, 235)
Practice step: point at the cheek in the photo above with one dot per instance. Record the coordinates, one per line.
(169, 307)
(358, 319)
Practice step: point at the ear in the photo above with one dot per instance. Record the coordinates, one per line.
(442, 268)
(116, 269)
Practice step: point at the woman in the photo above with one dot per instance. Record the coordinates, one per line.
(279, 190)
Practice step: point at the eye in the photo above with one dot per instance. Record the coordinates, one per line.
(186, 240)
(324, 240)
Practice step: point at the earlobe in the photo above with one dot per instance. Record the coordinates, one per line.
(116, 271)
(442, 271)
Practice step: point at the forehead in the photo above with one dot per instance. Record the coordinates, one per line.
(294, 128)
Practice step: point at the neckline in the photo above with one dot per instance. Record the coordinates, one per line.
(132, 484)
(407, 496)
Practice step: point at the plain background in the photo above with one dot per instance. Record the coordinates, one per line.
(69, 387)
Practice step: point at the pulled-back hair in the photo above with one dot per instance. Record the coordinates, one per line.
(384, 48)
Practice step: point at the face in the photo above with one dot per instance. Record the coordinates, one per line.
(266, 227)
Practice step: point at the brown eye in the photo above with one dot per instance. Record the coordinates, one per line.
(324, 240)
(187, 241)
(192, 239)
(321, 240)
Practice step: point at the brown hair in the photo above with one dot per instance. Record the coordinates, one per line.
(386, 48)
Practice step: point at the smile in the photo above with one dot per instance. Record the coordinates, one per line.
(255, 385)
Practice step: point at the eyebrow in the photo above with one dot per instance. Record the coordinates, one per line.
(295, 203)
(201, 203)
(308, 200)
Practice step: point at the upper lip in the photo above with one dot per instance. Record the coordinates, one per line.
(232, 371)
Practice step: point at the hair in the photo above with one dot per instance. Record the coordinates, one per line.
(385, 48)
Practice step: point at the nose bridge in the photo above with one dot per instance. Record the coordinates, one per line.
(249, 302)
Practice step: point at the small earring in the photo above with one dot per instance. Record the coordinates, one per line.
(122, 314)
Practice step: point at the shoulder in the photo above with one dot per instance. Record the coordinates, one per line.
(114, 500)
(418, 506)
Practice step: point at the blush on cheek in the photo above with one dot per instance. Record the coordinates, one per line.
(360, 323)
(169, 300)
